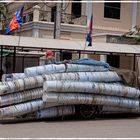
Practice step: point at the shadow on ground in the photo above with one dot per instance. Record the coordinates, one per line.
(69, 118)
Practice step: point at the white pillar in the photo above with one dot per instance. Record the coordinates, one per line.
(57, 22)
(35, 29)
(36, 13)
(134, 13)
(103, 58)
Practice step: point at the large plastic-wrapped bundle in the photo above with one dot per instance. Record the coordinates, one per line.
(91, 87)
(13, 76)
(55, 112)
(84, 68)
(55, 68)
(19, 97)
(21, 109)
(75, 98)
(92, 62)
(21, 84)
(85, 76)
(45, 69)
(111, 109)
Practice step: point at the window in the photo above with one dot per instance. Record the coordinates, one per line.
(76, 9)
(112, 10)
(24, 19)
(31, 17)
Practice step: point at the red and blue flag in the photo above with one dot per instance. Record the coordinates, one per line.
(89, 34)
(16, 22)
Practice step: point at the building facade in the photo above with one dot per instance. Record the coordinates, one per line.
(108, 19)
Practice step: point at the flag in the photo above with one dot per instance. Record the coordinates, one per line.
(16, 22)
(89, 34)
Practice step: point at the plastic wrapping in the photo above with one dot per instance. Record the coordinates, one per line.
(91, 87)
(21, 109)
(55, 112)
(53, 68)
(13, 76)
(85, 76)
(110, 109)
(88, 61)
(84, 68)
(21, 84)
(75, 98)
(19, 97)
(46, 69)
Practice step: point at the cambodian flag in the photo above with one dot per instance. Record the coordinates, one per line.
(89, 34)
(16, 22)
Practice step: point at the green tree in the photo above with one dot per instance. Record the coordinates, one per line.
(3, 15)
(133, 34)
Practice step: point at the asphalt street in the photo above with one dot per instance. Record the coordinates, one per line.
(104, 127)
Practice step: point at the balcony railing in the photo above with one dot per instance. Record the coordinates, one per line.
(65, 18)
(28, 16)
(47, 16)
(74, 19)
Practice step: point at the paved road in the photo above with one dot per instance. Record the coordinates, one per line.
(102, 127)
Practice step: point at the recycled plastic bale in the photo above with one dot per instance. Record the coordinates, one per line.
(84, 68)
(91, 87)
(53, 68)
(19, 97)
(85, 76)
(21, 84)
(21, 109)
(89, 99)
(13, 76)
(55, 112)
(111, 109)
(45, 69)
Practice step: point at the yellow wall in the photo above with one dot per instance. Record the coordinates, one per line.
(125, 18)
(46, 34)
(27, 33)
(138, 14)
(126, 62)
(94, 56)
(99, 39)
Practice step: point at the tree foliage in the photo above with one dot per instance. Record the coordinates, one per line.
(3, 14)
(133, 34)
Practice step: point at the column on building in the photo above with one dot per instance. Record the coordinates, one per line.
(35, 30)
(103, 58)
(134, 13)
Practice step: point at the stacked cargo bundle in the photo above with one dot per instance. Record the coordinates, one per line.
(21, 96)
(59, 90)
(91, 89)
(100, 87)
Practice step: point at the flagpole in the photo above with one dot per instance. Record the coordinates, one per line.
(85, 47)
(86, 39)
